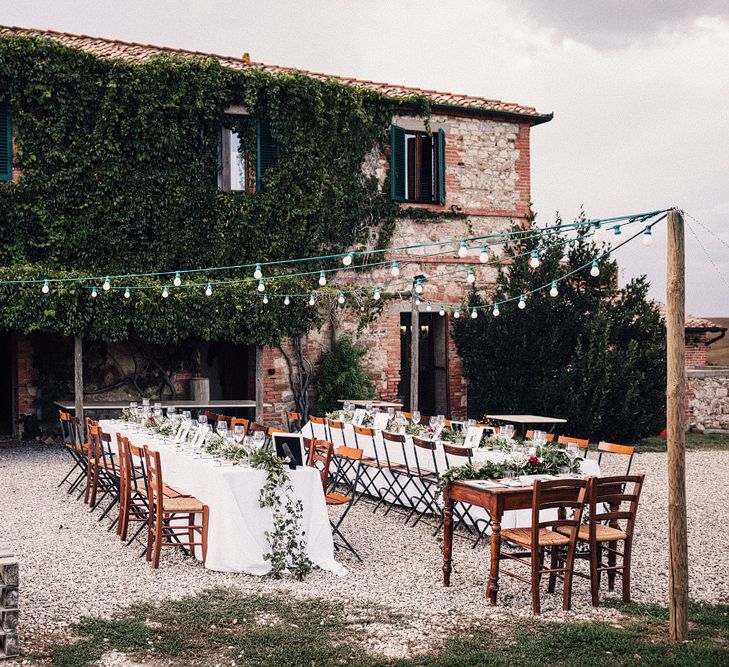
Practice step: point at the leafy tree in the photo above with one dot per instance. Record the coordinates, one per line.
(594, 354)
(341, 375)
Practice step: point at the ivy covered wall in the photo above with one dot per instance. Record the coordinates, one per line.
(119, 169)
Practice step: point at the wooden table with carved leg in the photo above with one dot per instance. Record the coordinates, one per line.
(496, 500)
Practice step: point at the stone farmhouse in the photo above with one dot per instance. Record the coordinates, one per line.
(474, 162)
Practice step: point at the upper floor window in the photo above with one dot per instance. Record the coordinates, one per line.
(6, 142)
(243, 163)
(418, 166)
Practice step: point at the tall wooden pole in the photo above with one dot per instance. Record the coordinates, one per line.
(414, 351)
(259, 384)
(78, 379)
(678, 596)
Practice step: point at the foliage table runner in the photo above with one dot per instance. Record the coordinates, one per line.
(237, 526)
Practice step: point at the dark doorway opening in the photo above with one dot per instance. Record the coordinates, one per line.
(232, 371)
(433, 366)
(6, 384)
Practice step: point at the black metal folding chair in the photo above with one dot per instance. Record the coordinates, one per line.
(73, 443)
(372, 467)
(427, 478)
(347, 477)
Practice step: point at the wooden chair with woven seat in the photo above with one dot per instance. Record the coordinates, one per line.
(239, 421)
(567, 496)
(608, 499)
(348, 472)
(293, 421)
(320, 457)
(212, 417)
(582, 443)
(161, 532)
(621, 450)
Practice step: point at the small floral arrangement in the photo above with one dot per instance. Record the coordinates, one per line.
(126, 415)
(151, 422)
(369, 419)
(487, 421)
(451, 435)
(491, 443)
(222, 448)
(418, 430)
(340, 415)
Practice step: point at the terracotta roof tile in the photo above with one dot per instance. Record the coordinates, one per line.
(130, 51)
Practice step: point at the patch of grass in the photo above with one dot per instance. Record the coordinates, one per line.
(219, 627)
(694, 441)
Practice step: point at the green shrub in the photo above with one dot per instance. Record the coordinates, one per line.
(341, 376)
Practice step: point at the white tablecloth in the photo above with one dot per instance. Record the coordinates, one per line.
(236, 539)
(414, 489)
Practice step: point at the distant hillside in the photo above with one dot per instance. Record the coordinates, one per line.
(719, 351)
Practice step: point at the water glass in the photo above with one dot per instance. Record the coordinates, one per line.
(433, 421)
(187, 415)
(368, 406)
(259, 437)
(416, 417)
(390, 412)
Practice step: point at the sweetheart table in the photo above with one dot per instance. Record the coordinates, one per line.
(237, 524)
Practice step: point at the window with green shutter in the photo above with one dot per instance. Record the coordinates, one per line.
(266, 152)
(417, 166)
(6, 143)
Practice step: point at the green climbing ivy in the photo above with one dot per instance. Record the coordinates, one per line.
(120, 164)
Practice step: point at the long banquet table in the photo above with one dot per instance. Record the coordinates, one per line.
(237, 524)
(517, 518)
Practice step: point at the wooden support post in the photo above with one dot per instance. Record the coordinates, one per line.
(414, 351)
(259, 384)
(78, 379)
(678, 595)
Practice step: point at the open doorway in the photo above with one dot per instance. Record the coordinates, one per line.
(433, 366)
(232, 371)
(6, 384)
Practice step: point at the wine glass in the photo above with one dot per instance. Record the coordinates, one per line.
(239, 433)
(222, 428)
(416, 417)
(202, 419)
(433, 422)
(390, 412)
(572, 451)
(368, 406)
(259, 437)
(187, 415)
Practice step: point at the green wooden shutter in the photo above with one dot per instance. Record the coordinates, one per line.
(397, 163)
(441, 167)
(6, 143)
(266, 151)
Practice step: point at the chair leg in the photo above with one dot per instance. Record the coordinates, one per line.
(595, 561)
(536, 602)
(191, 533)
(206, 514)
(567, 583)
(157, 549)
(627, 552)
(553, 575)
(150, 534)
(612, 560)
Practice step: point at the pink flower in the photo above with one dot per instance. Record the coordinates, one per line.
(533, 460)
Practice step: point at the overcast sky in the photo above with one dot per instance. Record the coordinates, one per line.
(639, 89)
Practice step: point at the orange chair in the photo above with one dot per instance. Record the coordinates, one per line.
(612, 448)
(530, 435)
(582, 443)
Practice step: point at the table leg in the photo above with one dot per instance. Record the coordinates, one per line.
(447, 536)
(493, 587)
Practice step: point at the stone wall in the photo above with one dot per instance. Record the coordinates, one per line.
(707, 394)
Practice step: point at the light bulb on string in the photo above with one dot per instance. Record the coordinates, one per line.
(429, 307)
(165, 292)
(395, 269)
(258, 274)
(471, 277)
(599, 229)
(94, 293)
(462, 249)
(178, 280)
(312, 300)
(534, 260)
(261, 286)
(553, 290)
(107, 284)
(594, 269)
(347, 259)
(457, 313)
(496, 310)
(441, 312)
(647, 236)
(617, 231)
(127, 293)
(287, 300)
(322, 278)
(418, 286)
(484, 256)
(418, 301)
(340, 298)
(376, 294)
(522, 302)
(474, 313)
(209, 290)
(46, 287)
(265, 299)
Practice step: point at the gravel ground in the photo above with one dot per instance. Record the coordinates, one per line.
(72, 567)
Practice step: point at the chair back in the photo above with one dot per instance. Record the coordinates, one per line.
(407, 415)
(320, 457)
(614, 499)
(582, 443)
(458, 452)
(92, 432)
(568, 496)
(65, 430)
(337, 426)
(395, 439)
(212, 417)
(611, 448)
(293, 421)
(550, 436)
(239, 421)
(155, 484)
(135, 468)
(255, 426)
(318, 427)
(348, 470)
(427, 448)
(107, 454)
